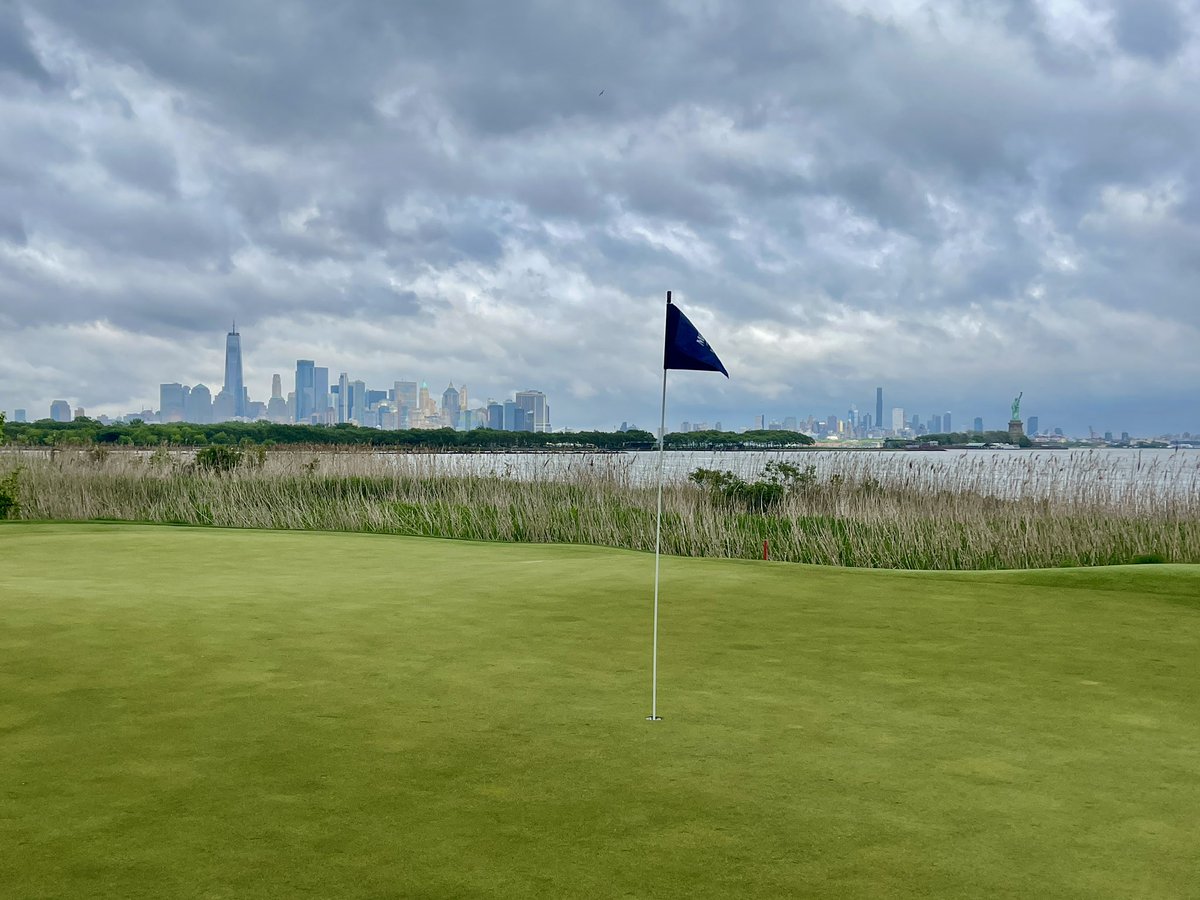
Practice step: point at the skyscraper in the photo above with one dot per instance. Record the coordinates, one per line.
(172, 402)
(1033, 425)
(305, 394)
(946, 421)
(897, 419)
(495, 414)
(357, 402)
(321, 394)
(978, 423)
(277, 407)
(60, 411)
(534, 402)
(235, 385)
(878, 407)
(450, 406)
(197, 406)
(343, 398)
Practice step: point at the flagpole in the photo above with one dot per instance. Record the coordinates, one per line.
(662, 434)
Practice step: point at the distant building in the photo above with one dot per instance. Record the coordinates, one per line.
(235, 385)
(321, 394)
(789, 423)
(224, 407)
(978, 425)
(172, 402)
(946, 422)
(898, 419)
(1033, 425)
(514, 416)
(879, 407)
(80, 412)
(277, 407)
(60, 411)
(19, 415)
(536, 409)
(760, 422)
(306, 398)
(197, 405)
(450, 405)
(495, 415)
(935, 424)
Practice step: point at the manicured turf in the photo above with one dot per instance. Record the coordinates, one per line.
(210, 713)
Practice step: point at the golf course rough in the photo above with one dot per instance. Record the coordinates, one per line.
(229, 713)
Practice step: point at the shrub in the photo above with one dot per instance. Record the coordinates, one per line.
(219, 458)
(10, 506)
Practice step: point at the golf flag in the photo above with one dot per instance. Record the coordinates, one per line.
(686, 347)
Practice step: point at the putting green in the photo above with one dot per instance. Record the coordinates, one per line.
(213, 713)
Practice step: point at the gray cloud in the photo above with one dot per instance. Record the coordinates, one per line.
(943, 200)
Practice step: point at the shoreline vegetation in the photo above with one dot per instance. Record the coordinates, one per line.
(859, 510)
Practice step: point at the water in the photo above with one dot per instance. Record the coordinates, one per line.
(1075, 473)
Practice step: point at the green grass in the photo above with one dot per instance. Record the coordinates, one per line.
(232, 713)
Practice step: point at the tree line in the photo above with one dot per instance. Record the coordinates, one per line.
(86, 432)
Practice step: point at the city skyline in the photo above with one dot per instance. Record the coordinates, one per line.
(975, 199)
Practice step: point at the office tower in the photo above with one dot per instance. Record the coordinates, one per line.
(80, 412)
(897, 419)
(20, 415)
(878, 407)
(321, 394)
(424, 401)
(946, 422)
(1033, 425)
(450, 406)
(833, 425)
(514, 416)
(255, 410)
(60, 411)
(305, 390)
(343, 399)
(235, 385)
(356, 403)
(224, 407)
(406, 394)
(978, 424)
(534, 404)
(915, 423)
(172, 402)
(789, 423)
(374, 398)
(277, 407)
(864, 423)
(716, 426)
(197, 406)
(760, 422)
(935, 424)
(463, 403)
(495, 415)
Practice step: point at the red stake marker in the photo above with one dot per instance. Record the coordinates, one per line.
(766, 551)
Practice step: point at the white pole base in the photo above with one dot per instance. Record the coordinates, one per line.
(653, 718)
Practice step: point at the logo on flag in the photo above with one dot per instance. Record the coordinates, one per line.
(686, 347)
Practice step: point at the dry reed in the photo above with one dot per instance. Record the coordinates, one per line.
(872, 510)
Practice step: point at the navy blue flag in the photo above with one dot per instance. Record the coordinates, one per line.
(686, 347)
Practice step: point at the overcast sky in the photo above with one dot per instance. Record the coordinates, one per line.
(955, 200)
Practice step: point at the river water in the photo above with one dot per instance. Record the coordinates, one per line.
(1075, 473)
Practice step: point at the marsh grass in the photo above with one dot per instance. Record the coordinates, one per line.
(864, 510)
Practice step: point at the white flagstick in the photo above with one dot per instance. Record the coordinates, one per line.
(662, 434)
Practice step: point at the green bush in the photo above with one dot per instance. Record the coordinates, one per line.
(219, 458)
(10, 506)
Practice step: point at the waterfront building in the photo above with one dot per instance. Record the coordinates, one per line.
(451, 406)
(235, 385)
(536, 408)
(305, 390)
(1033, 425)
(60, 411)
(172, 402)
(978, 424)
(898, 419)
(495, 415)
(197, 406)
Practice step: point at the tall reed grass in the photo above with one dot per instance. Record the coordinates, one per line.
(870, 510)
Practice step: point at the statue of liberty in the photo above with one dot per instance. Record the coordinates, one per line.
(1016, 406)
